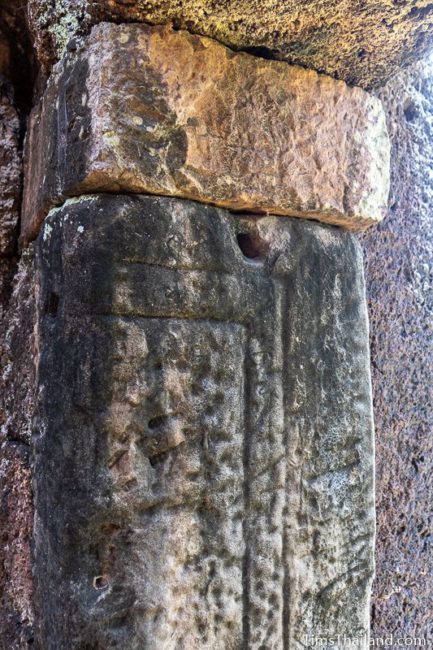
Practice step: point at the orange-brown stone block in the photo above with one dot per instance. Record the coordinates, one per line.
(152, 110)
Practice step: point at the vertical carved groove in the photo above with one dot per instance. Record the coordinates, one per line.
(285, 545)
(246, 528)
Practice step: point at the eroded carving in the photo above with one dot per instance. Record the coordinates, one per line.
(203, 470)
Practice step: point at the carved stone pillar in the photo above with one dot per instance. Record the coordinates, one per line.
(204, 461)
(204, 454)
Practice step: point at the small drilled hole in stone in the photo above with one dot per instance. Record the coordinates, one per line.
(251, 246)
(52, 304)
(101, 582)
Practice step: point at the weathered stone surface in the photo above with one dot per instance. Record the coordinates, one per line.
(399, 276)
(152, 110)
(16, 523)
(203, 469)
(362, 42)
(10, 172)
(17, 356)
(18, 349)
(10, 190)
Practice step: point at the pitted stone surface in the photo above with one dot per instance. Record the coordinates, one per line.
(399, 275)
(10, 173)
(17, 377)
(16, 521)
(203, 470)
(10, 190)
(153, 110)
(363, 42)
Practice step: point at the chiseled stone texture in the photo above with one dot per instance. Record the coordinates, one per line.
(399, 272)
(153, 110)
(362, 42)
(203, 470)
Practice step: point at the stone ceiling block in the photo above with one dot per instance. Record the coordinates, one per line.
(363, 42)
(153, 110)
(203, 469)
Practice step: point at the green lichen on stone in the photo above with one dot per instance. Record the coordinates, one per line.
(62, 20)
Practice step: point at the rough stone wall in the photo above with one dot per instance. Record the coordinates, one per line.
(16, 415)
(16, 334)
(362, 42)
(398, 263)
(10, 189)
(399, 269)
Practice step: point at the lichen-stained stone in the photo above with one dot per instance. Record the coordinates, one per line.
(203, 470)
(153, 110)
(363, 42)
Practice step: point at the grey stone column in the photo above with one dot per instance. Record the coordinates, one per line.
(204, 453)
(204, 459)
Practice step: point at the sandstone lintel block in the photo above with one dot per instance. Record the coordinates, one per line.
(152, 110)
(203, 469)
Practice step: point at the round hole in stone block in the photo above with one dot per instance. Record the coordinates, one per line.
(252, 247)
